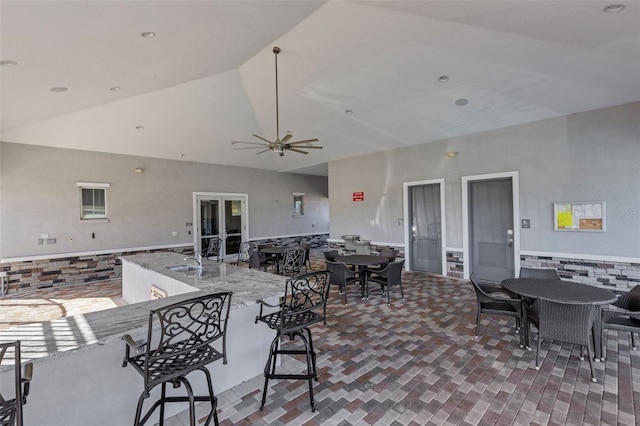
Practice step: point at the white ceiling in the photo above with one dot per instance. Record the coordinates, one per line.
(207, 77)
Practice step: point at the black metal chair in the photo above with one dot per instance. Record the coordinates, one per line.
(624, 317)
(182, 337)
(569, 323)
(388, 276)
(244, 254)
(293, 262)
(304, 304)
(11, 408)
(495, 303)
(342, 276)
(213, 249)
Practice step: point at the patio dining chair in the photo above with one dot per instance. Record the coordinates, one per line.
(390, 275)
(342, 276)
(569, 323)
(244, 254)
(496, 303)
(213, 249)
(623, 316)
(293, 261)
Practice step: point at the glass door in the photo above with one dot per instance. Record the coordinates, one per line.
(209, 223)
(222, 216)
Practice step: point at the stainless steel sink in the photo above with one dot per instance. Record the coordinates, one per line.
(184, 268)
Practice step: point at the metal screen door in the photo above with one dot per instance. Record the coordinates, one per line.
(426, 232)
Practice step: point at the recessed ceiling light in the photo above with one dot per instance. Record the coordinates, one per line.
(613, 8)
(443, 78)
(114, 88)
(58, 89)
(8, 63)
(139, 127)
(148, 34)
(452, 154)
(462, 101)
(348, 112)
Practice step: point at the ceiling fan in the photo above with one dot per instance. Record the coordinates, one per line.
(279, 146)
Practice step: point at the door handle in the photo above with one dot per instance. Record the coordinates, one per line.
(509, 237)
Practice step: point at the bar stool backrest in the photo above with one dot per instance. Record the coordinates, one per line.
(305, 294)
(11, 407)
(183, 336)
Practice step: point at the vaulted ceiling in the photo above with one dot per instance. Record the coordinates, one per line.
(207, 76)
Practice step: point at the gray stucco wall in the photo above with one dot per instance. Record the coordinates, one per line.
(39, 195)
(590, 156)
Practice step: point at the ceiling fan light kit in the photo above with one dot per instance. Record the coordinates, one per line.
(278, 146)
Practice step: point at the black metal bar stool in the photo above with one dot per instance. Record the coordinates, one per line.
(182, 338)
(11, 409)
(304, 304)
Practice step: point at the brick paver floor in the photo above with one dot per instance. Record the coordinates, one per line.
(414, 363)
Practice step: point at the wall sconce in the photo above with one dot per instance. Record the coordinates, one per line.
(138, 170)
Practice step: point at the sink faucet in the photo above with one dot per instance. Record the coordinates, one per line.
(197, 256)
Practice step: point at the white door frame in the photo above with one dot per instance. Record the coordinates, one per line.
(516, 216)
(222, 196)
(408, 247)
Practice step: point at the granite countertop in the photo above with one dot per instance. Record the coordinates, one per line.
(80, 332)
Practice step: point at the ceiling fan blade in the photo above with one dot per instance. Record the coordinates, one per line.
(297, 150)
(304, 141)
(260, 152)
(249, 147)
(286, 138)
(306, 147)
(260, 137)
(248, 143)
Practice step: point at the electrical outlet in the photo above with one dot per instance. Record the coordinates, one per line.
(51, 240)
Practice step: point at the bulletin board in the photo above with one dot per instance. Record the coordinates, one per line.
(580, 216)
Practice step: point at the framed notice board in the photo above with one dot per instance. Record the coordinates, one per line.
(580, 216)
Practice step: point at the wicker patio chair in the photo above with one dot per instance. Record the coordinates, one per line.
(330, 255)
(624, 317)
(496, 303)
(390, 275)
(569, 323)
(304, 304)
(11, 407)
(342, 276)
(539, 273)
(182, 338)
(244, 254)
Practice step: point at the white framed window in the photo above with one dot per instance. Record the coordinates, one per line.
(93, 200)
(298, 204)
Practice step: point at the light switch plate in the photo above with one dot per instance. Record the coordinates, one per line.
(526, 223)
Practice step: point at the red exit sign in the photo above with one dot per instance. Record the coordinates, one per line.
(358, 196)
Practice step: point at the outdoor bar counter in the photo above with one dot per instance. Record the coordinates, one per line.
(78, 376)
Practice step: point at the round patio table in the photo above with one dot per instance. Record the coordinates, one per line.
(362, 261)
(568, 292)
(278, 251)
